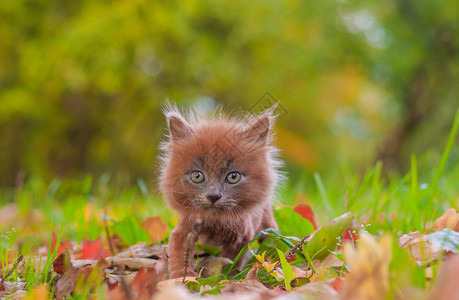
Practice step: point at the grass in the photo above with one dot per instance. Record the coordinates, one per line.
(77, 209)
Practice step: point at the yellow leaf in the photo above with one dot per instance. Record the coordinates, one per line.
(38, 293)
(260, 258)
(369, 268)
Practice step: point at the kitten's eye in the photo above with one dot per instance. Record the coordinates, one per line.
(233, 177)
(197, 177)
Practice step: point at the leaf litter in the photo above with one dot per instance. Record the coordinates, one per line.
(322, 265)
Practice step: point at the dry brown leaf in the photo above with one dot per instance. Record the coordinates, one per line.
(369, 268)
(212, 265)
(122, 278)
(141, 250)
(316, 290)
(253, 272)
(247, 286)
(419, 247)
(155, 227)
(169, 283)
(132, 263)
(66, 284)
(450, 219)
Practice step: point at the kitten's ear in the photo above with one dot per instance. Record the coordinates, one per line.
(179, 128)
(259, 130)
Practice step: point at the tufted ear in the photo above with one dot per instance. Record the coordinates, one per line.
(179, 128)
(258, 131)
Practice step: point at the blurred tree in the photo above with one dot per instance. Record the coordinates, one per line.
(82, 83)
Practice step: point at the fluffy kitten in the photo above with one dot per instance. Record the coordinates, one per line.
(223, 172)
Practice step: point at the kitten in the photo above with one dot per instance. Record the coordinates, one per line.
(222, 173)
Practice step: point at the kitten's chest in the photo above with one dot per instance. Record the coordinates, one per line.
(221, 234)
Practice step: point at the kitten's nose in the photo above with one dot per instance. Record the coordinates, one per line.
(213, 197)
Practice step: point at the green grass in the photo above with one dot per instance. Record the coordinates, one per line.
(78, 209)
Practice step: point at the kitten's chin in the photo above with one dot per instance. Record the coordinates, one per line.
(213, 209)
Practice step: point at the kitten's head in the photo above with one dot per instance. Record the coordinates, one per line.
(216, 165)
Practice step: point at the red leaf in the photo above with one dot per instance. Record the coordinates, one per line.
(306, 211)
(92, 250)
(62, 263)
(62, 246)
(337, 283)
(291, 258)
(350, 235)
(58, 264)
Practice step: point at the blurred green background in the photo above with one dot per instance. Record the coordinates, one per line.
(82, 82)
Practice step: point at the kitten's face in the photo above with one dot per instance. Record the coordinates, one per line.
(219, 167)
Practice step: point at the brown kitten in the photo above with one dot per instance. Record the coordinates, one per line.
(222, 171)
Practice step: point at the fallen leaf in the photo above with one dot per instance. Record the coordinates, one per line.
(248, 286)
(62, 263)
(38, 293)
(141, 250)
(144, 284)
(369, 268)
(62, 246)
(306, 212)
(325, 238)
(316, 290)
(132, 263)
(446, 238)
(450, 219)
(118, 293)
(168, 283)
(12, 287)
(253, 272)
(212, 265)
(155, 227)
(66, 284)
(419, 247)
(92, 250)
(337, 283)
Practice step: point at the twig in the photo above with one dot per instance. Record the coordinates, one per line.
(191, 240)
(290, 253)
(107, 232)
(13, 268)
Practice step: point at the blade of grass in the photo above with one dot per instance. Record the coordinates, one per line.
(444, 158)
(323, 192)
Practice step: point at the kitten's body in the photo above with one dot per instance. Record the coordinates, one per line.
(219, 151)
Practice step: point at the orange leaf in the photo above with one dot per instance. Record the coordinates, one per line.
(92, 250)
(144, 283)
(155, 227)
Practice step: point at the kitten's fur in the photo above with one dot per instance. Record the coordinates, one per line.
(217, 145)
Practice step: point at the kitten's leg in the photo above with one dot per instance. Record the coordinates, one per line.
(176, 251)
(268, 218)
